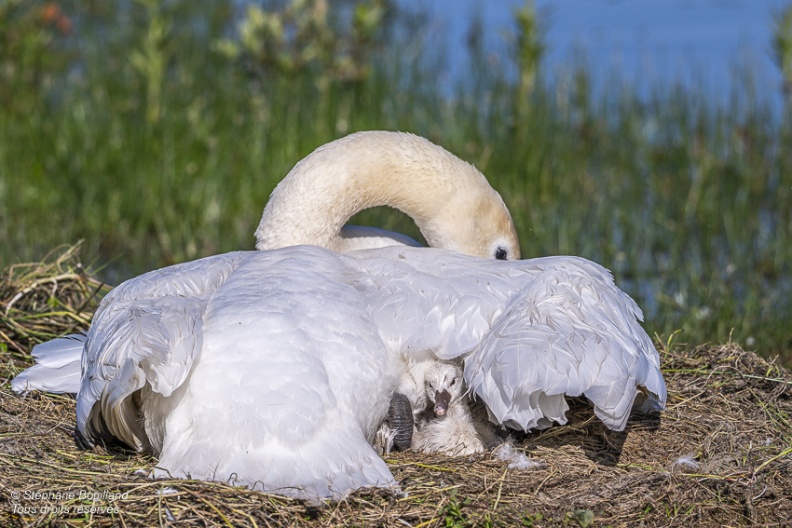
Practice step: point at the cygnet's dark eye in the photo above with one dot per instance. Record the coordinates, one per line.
(452, 382)
(501, 254)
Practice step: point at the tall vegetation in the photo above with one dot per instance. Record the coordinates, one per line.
(782, 49)
(155, 131)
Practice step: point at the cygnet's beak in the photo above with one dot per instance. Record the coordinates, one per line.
(442, 399)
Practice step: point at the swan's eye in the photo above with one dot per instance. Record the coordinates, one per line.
(501, 254)
(452, 382)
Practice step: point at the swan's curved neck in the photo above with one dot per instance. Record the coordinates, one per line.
(409, 173)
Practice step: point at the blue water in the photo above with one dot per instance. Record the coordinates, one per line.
(649, 43)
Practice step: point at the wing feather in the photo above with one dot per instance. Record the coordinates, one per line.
(146, 332)
(57, 367)
(570, 332)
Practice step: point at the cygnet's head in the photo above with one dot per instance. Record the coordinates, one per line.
(443, 385)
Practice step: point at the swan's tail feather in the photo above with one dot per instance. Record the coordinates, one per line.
(57, 368)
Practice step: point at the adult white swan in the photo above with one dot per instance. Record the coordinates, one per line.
(273, 369)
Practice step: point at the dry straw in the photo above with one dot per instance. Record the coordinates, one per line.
(719, 455)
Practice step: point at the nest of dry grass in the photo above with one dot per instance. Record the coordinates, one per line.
(719, 455)
(43, 300)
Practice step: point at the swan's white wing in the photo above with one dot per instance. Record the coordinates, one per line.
(268, 373)
(429, 303)
(531, 331)
(570, 331)
(147, 332)
(57, 367)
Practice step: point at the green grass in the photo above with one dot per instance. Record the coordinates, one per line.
(171, 156)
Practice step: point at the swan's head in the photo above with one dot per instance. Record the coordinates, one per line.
(443, 386)
(474, 222)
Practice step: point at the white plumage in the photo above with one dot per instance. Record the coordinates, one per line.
(57, 367)
(258, 368)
